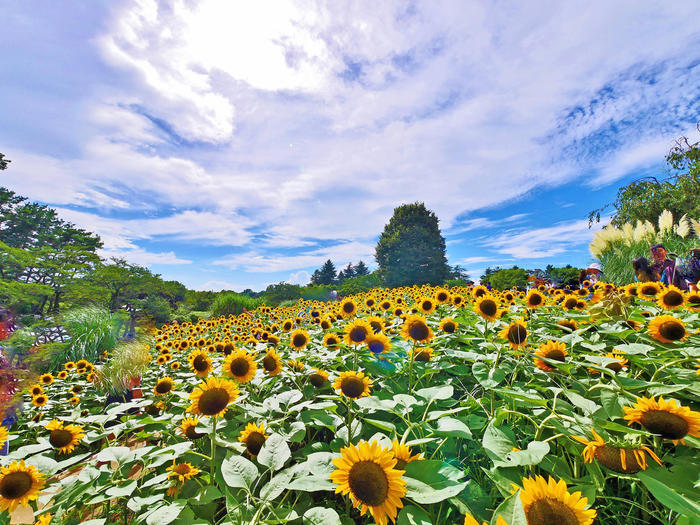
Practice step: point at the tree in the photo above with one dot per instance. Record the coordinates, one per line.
(504, 279)
(347, 273)
(361, 269)
(565, 275)
(644, 199)
(327, 273)
(3, 162)
(459, 273)
(411, 249)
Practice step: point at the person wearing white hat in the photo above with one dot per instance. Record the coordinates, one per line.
(591, 274)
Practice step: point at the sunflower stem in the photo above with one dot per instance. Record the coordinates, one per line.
(213, 451)
(349, 421)
(410, 367)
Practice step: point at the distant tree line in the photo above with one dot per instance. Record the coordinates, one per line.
(327, 273)
(507, 278)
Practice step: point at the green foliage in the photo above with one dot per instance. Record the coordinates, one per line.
(128, 360)
(411, 249)
(316, 292)
(157, 309)
(324, 275)
(92, 331)
(360, 284)
(276, 293)
(4, 161)
(566, 275)
(232, 303)
(645, 199)
(506, 278)
(198, 300)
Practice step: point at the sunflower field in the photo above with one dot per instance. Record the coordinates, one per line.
(417, 405)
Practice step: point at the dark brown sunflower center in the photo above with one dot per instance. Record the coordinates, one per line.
(228, 348)
(418, 331)
(610, 457)
(240, 366)
(457, 300)
(254, 442)
(376, 326)
(488, 308)
(191, 433)
(548, 511)
(325, 325)
(667, 425)
(15, 485)
(36, 391)
(358, 334)
(535, 299)
(299, 340)
(570, 303)
(673, 298)
(449, 327)
(163, 387)
(479, 293)
(182, 469)
(317, 380)
(368, 483)
(59, 438)
(517, 334)
(348, 308)
(422, 356)
(672, 330)
(269, 363)
(200, 363)
(331, 341)
(213, 401)
(694, 300)
(615, 366)
(352, 387)
(77, 389)
(427, 305)
(649, 290)
(46, 379)
(555, 355)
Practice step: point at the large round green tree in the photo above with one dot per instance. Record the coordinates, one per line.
(411, 249)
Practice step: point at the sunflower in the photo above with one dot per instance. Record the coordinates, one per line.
(357, 331)
(331, 340)
(44, 519)
(478, 291)
(353, 384)
(550, 503)
(348, 308)
(70, 365)
(299, 339)
(426, 305)
(35, 390)
(671, 298)
(161, 360)
(175, 365)
(377, 323)
(366, 473)
(535, 299)
(515, 333)
(378, 343)
(325, 323)
(449, 325)
(64, 438)
(163, 386)
(200, 362)
(631, 324)
(569, 303)
(403, 454)
(487, 307)
(272, 362)
(692, 301)
(19, 484)
(416, 329)
(569, 325)
(45, 379)
(648, 290)
(82, 363)
(287, 325)
(212, 397)
(554, 350)
(665, 418)
(423, 354)
(74, 400)
(62, 374)
(386, 305)
(619, 363)
(182, 472)
(40, 400)
(457, 300)
(469, 520)
(624, 460)
(318, 378)
(667, 329)
(254, 438)
(188, 428)
(4, 436)
(240, 366)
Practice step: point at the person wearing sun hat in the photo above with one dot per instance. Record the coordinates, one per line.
(591, 274)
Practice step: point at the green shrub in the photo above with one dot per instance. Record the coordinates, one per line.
(232, 303)
(92, 331)
(157, 309)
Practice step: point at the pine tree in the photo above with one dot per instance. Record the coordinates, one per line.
(348, 272)
(411, 249)
(327, 274)
(361, 269)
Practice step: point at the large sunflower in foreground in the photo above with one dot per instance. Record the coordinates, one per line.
(515, 333)
(487, 307)
(357, 331)
(240, 366)
(666, 418)
(272, 362)
(554, 350)
(366, 473)
(299, 339)
(19, 484)
(415, 328)
(667, 329)
(348, 308)
(550, 503)
(535, 299)
(353, 384)
(254, 438)
(671, 298)
(200, 362)
(378, 343)
(624, 460)
(64, 438)
(212, 397)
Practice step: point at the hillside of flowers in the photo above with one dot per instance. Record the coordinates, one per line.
(417, 405)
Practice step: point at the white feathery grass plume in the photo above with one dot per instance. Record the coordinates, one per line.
(683, 227)
(640, 232)
(651, 231)
(628, 233)
(696, 227)
(665, 222)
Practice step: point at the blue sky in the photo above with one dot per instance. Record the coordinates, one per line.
(237, 144)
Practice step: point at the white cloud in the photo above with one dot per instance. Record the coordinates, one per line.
(217, 286)
(544, 242)
(143, 257)
(302, 278)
